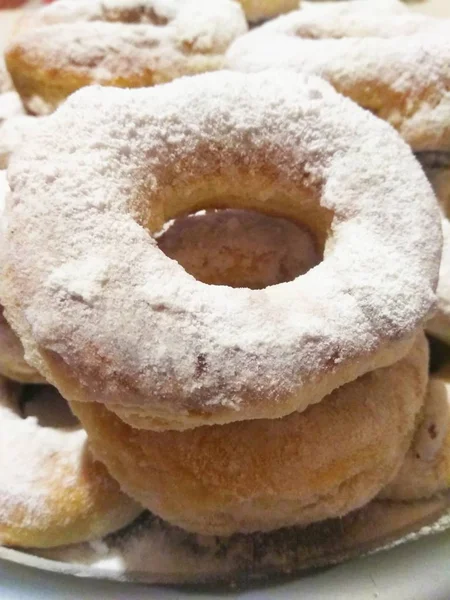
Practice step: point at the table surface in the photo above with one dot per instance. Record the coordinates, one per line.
(417, 571)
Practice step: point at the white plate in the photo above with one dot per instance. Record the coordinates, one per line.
(418, 571)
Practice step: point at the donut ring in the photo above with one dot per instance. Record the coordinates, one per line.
(140, 44)
(403, 80)
(271, 351)
(12, 362)
(239, 248)
(426, 470)
(265, 474)
(52, 492)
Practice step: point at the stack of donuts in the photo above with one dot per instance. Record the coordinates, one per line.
(225, 270)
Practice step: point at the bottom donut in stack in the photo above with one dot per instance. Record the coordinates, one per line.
(228, 410)
(263, 474)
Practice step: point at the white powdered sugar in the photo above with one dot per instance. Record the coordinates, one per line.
(150, 334)
(403, 80)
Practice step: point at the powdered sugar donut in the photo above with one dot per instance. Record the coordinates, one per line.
(228, 354)
(426, 470)
(52, 491)
(239, 248)
(404, 80)
(12, 361)
(264, 474)
(119, 43)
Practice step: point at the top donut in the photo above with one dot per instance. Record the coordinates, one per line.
(105, 315)
(123, 43)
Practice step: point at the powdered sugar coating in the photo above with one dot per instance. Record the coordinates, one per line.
(203, 25)
(185, 13)
(405, 80)
(12, 362)
(108, 317)
(92, 50)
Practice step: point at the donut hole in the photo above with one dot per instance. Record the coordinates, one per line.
(239, 248)
(48, 407)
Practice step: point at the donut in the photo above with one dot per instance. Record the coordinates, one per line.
(12, 362)
(128, 44)
(400, 77)
(426, 469)
(52, 492)
(287, 146)
(263, 474)
(239, 248)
